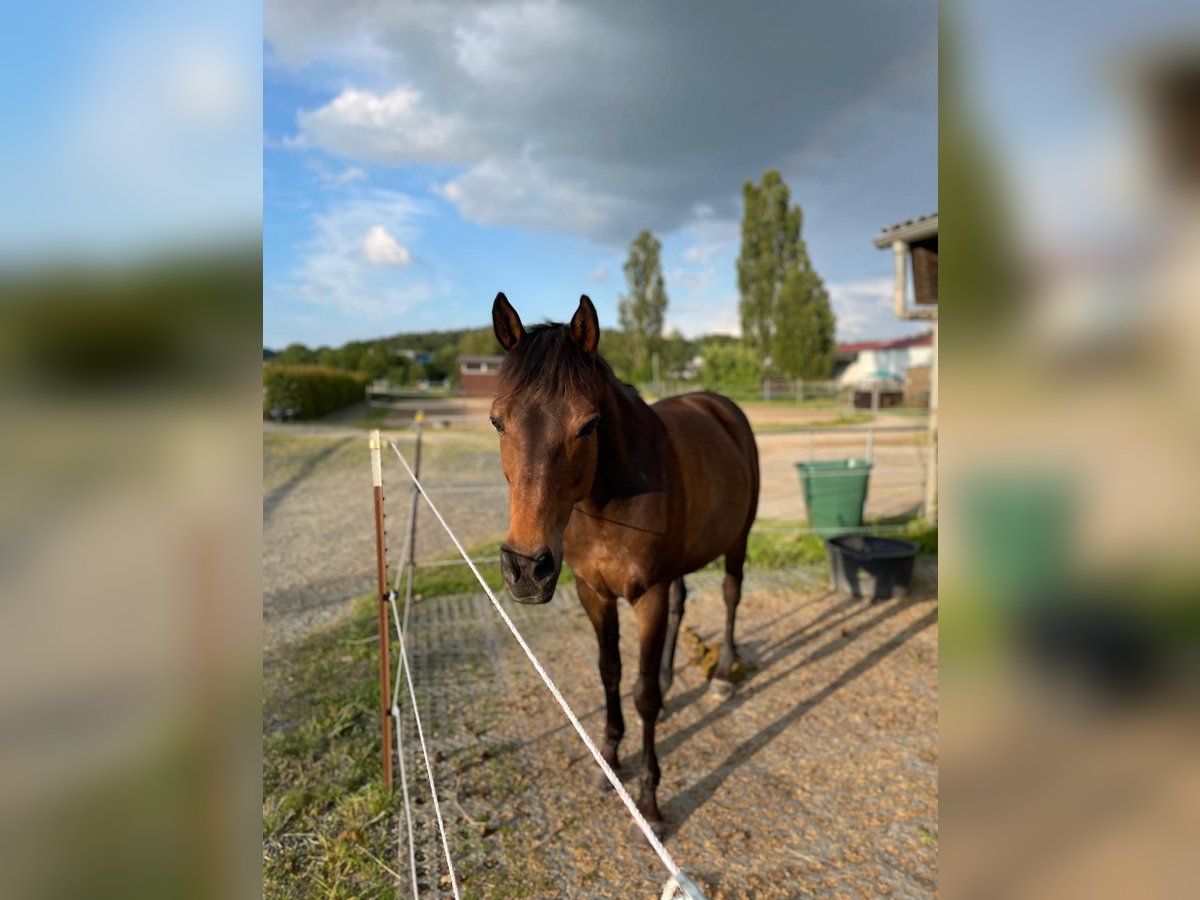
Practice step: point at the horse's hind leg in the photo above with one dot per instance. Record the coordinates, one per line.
(675, 598)
(735, 560)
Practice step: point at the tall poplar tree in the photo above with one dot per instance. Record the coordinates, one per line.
(784, 306)
(642, 310)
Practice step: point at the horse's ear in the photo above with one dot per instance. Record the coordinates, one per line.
(585, 326)
(506, 322)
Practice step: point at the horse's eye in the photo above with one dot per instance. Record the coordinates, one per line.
(497, 424)
(589, 426)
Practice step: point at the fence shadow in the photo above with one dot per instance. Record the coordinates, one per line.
(272, 500)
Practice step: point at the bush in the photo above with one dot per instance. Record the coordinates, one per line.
(310, 391)
(730, 366)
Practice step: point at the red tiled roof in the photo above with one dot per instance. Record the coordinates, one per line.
(916, 340)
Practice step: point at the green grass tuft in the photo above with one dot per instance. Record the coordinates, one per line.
(326, 817)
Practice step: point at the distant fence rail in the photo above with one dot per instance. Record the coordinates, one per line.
(382, 393)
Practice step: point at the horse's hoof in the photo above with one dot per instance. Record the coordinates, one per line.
(600, 780)
(659, 827)
(720, 690)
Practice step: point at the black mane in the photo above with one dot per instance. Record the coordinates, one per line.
(547, 363)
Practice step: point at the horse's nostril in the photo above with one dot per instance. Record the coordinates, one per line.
(543, 565)
(510, 565)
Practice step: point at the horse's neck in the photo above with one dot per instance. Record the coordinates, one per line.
(628, 461)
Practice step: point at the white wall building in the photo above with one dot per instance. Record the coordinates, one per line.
(865, 360)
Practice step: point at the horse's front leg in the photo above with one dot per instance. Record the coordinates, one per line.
(603, 613)
(651, 611)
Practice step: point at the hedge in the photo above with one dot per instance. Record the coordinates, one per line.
(310, 391)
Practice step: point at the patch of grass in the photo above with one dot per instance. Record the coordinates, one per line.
(371, 417)
(327, 820)
(841, 421)
(823, 402)
(781, 549)
(329, 827)
(435, 581)
(920, 531)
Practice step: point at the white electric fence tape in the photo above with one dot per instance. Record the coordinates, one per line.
(412, 849)
(685, 884)
(437, 806)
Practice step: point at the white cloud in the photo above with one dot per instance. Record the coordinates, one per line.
(336, 268)
(701, 290)
(152, 142)
(693, 282)
(383, 250)
(701, 254)
(600, 120)
(863, 308)
(694, 318)
(494, 45)
(598, 274)
(394, 128)
(208, 86)
(522, 192)
(332, 180)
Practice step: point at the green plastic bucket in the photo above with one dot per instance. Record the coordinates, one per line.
(835, 491)
(1018, 530)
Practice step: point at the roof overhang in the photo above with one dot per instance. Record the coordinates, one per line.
(909, 232)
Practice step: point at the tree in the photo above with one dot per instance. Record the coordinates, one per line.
(643, 308)
(730, 365)
(804, 328)
(783, 304)
(479, 342)
(677, 352)
(377, 359)
(296, 354)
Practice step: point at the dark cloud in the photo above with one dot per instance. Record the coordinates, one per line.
(603, 119)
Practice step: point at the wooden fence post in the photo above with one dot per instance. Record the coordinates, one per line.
(385, 651)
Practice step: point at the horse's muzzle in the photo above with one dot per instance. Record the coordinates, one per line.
(529, 578)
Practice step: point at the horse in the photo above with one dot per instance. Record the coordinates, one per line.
(633, 496)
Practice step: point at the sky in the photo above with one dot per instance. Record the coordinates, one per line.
(130, 128)
(1063, 118)
(408, 160)
(420, 157)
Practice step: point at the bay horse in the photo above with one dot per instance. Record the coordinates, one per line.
(633, 496)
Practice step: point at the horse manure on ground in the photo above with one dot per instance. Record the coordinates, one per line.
(705, 656)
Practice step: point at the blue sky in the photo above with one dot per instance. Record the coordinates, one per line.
(492, 145)
(130, 127)
(419, 158)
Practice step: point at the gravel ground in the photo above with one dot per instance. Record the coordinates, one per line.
(318, 538)
(819, 777)
(318, 520)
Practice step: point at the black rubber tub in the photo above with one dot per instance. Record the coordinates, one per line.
(871, 568)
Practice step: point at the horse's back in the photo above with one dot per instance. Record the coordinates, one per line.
(716, 459)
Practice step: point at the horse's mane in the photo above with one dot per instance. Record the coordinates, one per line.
(547, 363)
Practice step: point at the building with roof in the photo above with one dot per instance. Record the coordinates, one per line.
(861, 360)
(914, 245)
(478, 376)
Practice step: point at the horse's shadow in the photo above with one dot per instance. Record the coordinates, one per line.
(763, 673)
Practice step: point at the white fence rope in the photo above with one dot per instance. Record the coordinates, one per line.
(437, 806)
(682, 881)
(395, 707)
(412, 852)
